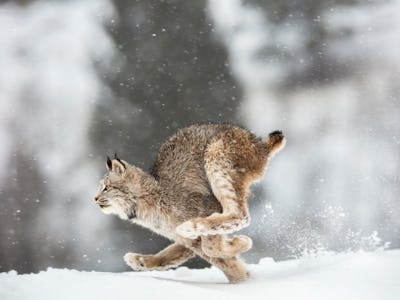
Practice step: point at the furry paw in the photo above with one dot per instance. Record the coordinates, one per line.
(226, 248)
(212, 225)
(135, 261)
(239, 277)
(215, 224)
(188, 230)
(242, 243)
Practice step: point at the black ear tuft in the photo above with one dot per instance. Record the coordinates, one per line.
(120, 161)
(109, 164)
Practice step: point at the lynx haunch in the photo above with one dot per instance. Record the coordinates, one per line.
(195, 194)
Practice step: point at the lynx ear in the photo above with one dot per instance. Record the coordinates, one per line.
(108, 164)
(118, 167)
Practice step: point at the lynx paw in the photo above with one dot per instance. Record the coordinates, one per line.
(213, 225)
(135, 261)
(242, 243)
(239, 277)
(188, 230)
(226, 248)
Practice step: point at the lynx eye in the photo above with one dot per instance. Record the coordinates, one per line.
(106, 188)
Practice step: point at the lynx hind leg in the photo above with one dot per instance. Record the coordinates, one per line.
(234, 214)
(171, 257)
(220, 246)
(233, 267)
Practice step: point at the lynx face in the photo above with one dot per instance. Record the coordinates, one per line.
(115, 196)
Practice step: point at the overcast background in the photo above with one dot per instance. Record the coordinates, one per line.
(80, 80)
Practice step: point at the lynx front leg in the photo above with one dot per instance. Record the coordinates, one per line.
(171, 257)
(219, 246)
(234, 214)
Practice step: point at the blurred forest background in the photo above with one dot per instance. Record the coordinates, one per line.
(80, 80)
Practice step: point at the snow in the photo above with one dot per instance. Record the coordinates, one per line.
(361, 275)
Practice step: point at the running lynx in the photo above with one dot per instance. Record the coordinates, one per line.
(195, 194)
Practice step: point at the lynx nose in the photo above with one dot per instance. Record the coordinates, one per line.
(96, 198)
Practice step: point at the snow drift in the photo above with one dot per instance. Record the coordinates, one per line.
(361, 275)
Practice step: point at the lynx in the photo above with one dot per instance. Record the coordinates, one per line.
(195, 194)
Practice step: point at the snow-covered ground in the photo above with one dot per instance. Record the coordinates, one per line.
(331, 276)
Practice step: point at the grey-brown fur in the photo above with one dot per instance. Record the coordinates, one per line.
(195, 194)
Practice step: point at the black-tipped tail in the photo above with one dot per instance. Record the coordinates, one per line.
(275, 142)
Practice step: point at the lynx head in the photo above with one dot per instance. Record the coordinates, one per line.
(120, 189)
